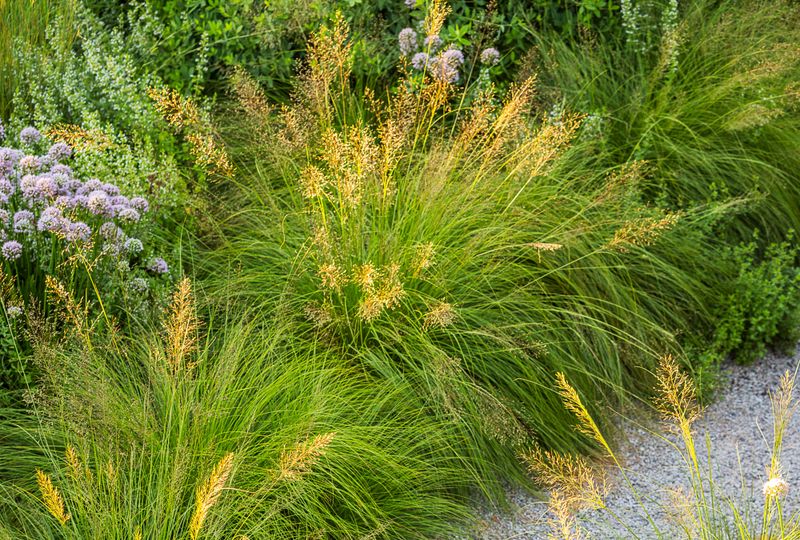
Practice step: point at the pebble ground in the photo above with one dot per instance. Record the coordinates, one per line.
(739, 428)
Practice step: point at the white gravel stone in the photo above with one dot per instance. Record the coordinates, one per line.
(739, 428)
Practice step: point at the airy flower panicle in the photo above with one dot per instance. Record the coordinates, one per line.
(208, 493)
(440, 315)
(181, 327)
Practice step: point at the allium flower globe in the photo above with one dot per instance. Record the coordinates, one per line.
(408, 41)
(490, 56)
(30, 136)
(59, 151)
(11, 250)
(419, 61)
(158, 266)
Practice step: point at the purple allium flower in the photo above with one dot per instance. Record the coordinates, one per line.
(98, 202)
(140, 203)
(490, 56)
(46, 186)
(454, 57)
(4, 217)
(23, 221)
(110, 231)
(111, 189)
(432, 43)
(60, 168)
(14, 311)
(12, 250)
(443, 70)
(64, 201)
(158, 265)
(30, 164)
(6, 187)
(138, 285)
(93, 184)
(120, 200)
(419, 61)
(80, 201)
(30, 135)
(127, 214)
(27, 185)
(2, 131)
(59, 151)
(9, 157)
(50, 219)
(79, 232)
(133, 246)
(408, 41)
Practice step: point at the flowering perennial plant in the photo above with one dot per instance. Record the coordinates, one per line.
(49, 216)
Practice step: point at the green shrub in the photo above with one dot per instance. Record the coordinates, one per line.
(763, 304)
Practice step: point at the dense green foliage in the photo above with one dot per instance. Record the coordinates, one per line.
(394, 256)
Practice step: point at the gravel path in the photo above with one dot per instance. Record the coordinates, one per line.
(739, 426)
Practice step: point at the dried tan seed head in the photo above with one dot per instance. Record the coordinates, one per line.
(250, 96)
(208, 493)
(78, 138)
(296, 462)
(438, 316)
(581, 485)
(209, 154)
(332, 276)
(178, 111)
(181, 327)
(312, 182)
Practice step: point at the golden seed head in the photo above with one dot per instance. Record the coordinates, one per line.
(642, 232)
(181, 327)
(79, 138)
(438, 10)
(677, 399)
(423, 258)
(208, 493)
(312, 182)
(178, 111)
(52, 498)
(298, 461)
(365, 275)
(209, 154)
(573, 403)
(545, 246)
(332, 276)
(440, 315)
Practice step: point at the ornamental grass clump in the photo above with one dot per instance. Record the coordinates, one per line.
(454, 246)
(259, 439)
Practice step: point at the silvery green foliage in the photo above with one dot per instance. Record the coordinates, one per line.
(650, 25)
(99, 84)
